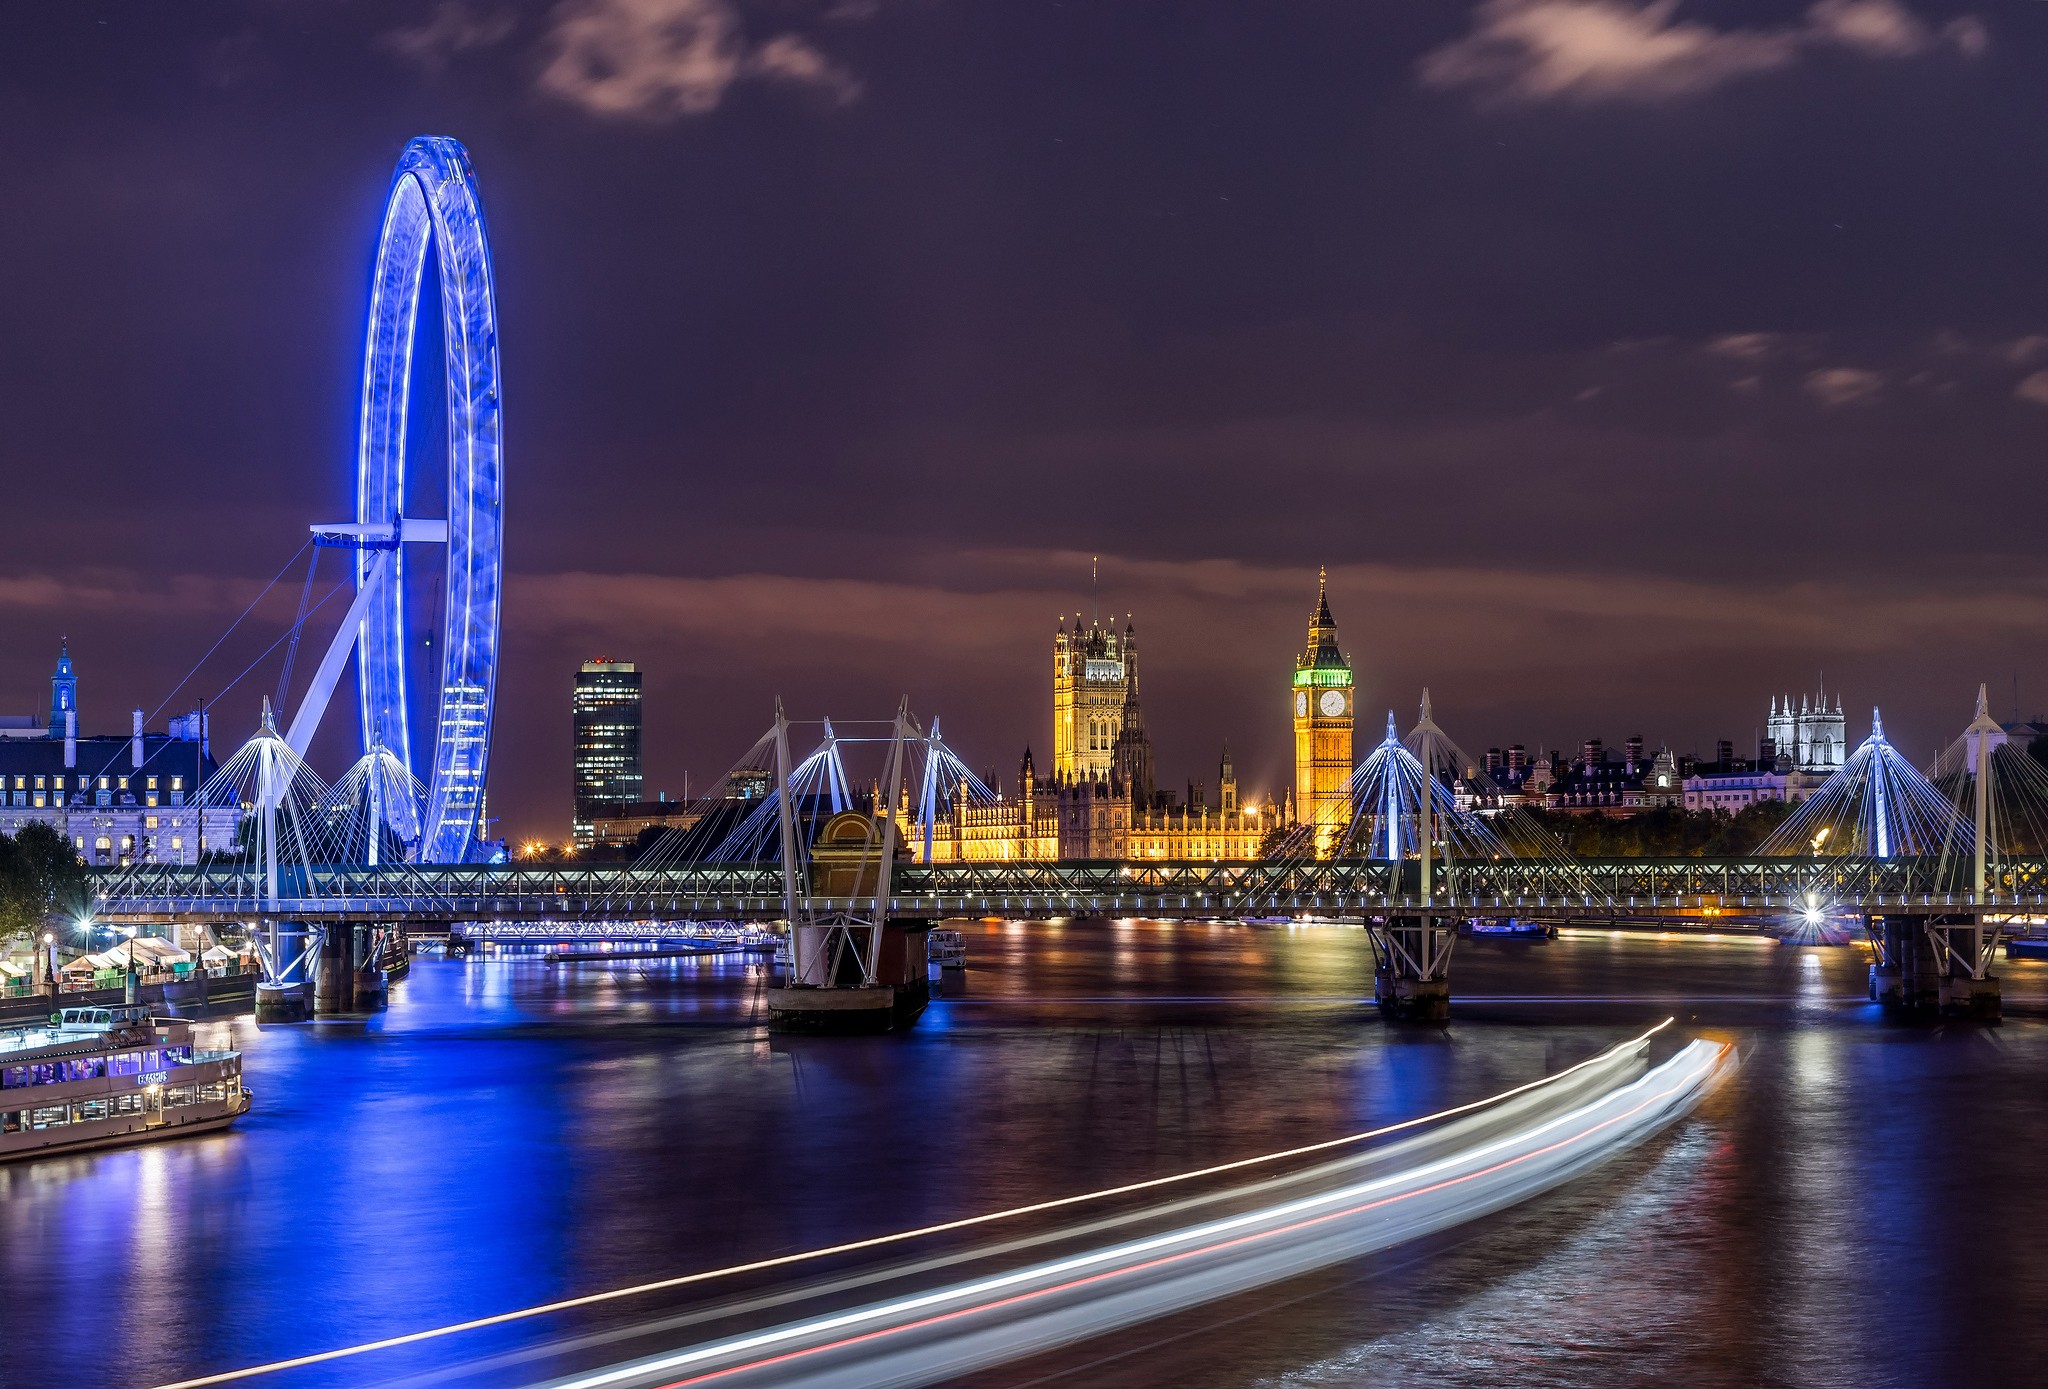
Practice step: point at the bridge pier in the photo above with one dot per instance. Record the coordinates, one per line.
(1933, 966)
(1965, 988)
(1412, 962)
(288, 997)
(346, 978)
(334, 972)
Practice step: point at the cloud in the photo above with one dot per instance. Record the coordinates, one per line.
(453, 28)
(1468, 617)
(1836, 386)
(790, 59)
(2034, 388)
(1586, 51)
(1745, 347)
(100, 591)
(661, 59)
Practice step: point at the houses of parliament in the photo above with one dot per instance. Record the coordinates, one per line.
(1099, 800)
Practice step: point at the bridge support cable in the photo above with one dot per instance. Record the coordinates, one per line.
(277, 855)
(1930, 956)
(2005, 790)
(855, 965)
(1417, 801)
(1876, 806)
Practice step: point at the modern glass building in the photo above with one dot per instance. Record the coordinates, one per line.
(607, 715)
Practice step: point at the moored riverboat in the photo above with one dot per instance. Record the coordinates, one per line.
(97, 1077)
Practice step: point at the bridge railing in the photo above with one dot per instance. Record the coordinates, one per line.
(476, 891)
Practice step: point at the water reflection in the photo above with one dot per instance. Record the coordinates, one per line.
(512, 1131)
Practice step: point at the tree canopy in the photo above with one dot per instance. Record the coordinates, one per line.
(1667, 833)
(40, 878)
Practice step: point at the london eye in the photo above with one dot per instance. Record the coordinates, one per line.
(447, 602)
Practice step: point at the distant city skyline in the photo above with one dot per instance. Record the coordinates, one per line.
(1255, 724)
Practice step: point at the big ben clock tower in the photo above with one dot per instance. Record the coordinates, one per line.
(1322, 728)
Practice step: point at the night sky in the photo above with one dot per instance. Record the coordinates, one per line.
(1625, 366)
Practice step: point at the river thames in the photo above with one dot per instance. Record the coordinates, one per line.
(1862, 1203)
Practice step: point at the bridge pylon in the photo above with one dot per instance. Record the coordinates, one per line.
(854, 967)
(1938, 963)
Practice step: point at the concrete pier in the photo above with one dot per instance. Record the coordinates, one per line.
(289, 999)
(847, 1011)
(1909, 979)
(283, 1002)
(1958, 993)
(1411, 979)
(346, 979)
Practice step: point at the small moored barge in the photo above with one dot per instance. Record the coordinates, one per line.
(96, 1077)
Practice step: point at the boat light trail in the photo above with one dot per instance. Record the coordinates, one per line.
(1633, 1045)
(973, 1325)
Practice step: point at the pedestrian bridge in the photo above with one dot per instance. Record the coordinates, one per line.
(1700, 889)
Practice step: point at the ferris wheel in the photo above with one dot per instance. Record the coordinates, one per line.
(434, 205)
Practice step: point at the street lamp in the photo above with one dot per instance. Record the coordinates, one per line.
(129, 994)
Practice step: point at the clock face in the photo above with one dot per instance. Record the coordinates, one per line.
(1301, 704)
(1332, 703)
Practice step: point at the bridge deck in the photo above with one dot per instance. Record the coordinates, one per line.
(1607, 888)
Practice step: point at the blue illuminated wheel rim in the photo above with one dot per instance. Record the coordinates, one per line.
(434, 202)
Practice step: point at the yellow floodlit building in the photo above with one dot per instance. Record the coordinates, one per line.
(1324, 707)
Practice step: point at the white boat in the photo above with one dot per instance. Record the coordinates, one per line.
(96, 1077)
(947, 949)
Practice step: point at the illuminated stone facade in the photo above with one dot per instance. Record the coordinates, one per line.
(1096, 728)
(1063, 819)
(1324, 708)
(1815, 737)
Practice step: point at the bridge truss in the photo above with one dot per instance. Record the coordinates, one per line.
(1701, 889)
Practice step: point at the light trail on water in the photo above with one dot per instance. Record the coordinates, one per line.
(953, 1330)
(1620, 1053)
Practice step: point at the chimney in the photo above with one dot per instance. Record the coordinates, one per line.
(70, 737)
(135, 743)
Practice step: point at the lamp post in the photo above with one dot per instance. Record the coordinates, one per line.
(130, 992)
(50, 962)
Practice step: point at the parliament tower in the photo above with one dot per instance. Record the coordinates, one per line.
(1098, 730)
(1323, 708)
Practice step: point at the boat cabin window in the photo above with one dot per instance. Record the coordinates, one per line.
(99, 1019)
